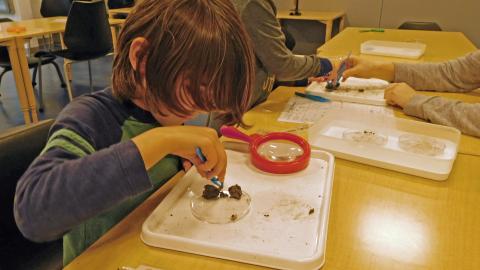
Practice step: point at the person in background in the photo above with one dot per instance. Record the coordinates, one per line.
(108, 151)
(273, 59)
(461, 75)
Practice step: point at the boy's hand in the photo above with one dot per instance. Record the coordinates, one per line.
(182, 141)
(362, 68)
(399, 94)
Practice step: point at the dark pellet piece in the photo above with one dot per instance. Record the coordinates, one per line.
(235, 192)
(210, 192)
(233, 217)
(311, 211)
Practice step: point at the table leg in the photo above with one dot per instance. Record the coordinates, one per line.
(67, 68)
(114, 38)
(19, 82)
(342, 23)
(27, 79)
(328, 29)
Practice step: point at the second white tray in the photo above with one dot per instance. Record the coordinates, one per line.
(327, 134)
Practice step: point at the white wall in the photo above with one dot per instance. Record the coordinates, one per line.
(459, 15)
(22, 8)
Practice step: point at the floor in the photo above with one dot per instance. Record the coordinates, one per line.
(55, 97)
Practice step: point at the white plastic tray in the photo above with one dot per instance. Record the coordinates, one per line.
(278, 231)
(327, 134)
(411, 50)
(372, 94)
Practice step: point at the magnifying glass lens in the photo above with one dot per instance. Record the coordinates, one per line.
(280, 150)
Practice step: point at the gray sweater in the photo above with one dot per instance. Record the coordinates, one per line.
(459, 75)
(273, 59)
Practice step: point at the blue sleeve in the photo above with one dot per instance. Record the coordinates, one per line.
(88, 171)
(60, 190)
(325, 67)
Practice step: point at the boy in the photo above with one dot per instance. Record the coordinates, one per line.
(109, 151)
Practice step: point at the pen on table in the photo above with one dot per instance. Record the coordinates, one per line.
(312, 97)
(378, 30)
(202, 158)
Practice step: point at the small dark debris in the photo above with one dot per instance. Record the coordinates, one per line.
(235, 192)
(266, 215)
(361, 90)
(233, 217)
(210, 192)
(312, 210)
(171, 215)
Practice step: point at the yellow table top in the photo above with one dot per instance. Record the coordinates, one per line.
(41, 26)
(440, 45)
(379, 219)
(311, 15)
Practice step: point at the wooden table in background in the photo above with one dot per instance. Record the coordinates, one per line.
(325, 17)
(440, 45)
(379, 219)
(115, 11)
(18, 56)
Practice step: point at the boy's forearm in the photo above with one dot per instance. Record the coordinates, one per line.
(153, 146)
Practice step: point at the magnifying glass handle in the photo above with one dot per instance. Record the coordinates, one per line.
(233, 133)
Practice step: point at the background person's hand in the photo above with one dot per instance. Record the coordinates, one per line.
(399, 94)
(363, 68)
(332, 75)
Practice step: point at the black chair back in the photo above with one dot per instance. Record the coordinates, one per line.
(53, 8)
(88, 29)
(429, 26)
(4, 57)
(18, 148)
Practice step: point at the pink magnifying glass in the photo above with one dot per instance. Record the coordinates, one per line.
(276, 152)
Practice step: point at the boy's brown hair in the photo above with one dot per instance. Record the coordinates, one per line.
(202, 41)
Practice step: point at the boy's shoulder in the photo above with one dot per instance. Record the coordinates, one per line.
(93, 115)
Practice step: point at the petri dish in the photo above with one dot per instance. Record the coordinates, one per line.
(365, 136)
(280, 150)
(420, 144)
(220, 210)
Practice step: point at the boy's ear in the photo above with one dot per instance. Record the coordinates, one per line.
(137, 46)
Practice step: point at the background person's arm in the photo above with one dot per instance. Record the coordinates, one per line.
(458, 75)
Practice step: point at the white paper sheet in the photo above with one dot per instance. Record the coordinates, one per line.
(302, 110)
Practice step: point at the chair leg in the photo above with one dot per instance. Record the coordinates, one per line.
(40, 87)
(67, 69)
(60, 76)
(1, 77)
(34, 76)
(90, 75)
(69, 83)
